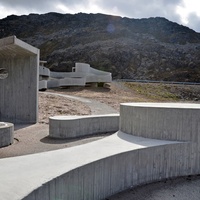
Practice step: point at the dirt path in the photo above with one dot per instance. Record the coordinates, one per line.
(96, 107)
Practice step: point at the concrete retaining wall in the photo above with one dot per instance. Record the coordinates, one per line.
(76, 126)
(167, 121)
(6, 134)
(100, 179)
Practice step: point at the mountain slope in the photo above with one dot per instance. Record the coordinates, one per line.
(153, 48)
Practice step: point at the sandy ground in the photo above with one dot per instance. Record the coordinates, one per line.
(29, 139)
(51, 105)
(34, 138)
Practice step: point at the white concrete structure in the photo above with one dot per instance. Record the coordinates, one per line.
(44, 74)
(104, 167)
(81, 74)
(77, 126)
(19, 91)
(6, 134)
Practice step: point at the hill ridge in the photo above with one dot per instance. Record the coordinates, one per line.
(148, 48)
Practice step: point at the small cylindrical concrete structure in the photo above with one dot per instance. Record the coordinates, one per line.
(6, 134)
(77, 126)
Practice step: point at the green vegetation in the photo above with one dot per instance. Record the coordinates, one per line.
(165, 92)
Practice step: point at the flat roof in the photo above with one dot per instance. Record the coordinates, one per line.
(12, 46)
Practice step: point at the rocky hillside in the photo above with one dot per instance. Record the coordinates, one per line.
(153, 48)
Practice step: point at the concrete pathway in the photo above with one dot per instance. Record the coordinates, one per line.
(182, 188)
(97, 108)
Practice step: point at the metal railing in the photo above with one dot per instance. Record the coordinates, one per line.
(152, 81)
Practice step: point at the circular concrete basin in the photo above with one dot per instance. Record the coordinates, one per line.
(6, 134)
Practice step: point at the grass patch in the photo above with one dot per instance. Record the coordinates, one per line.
(157, 92)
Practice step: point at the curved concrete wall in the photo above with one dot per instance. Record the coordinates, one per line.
(43, 71)
(60, 75)
(100, 179)
(98, 78)
(91, 171)
(53, 83)
(167, 121)
(72, 82)
(77, 126)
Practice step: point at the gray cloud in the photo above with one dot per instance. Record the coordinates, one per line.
(143, 8)
(131, 8)
(194, 21)
(40, 5)
(36, 5)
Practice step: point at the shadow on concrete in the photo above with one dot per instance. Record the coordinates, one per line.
(21, 126)
(49, 140)
(78, 89)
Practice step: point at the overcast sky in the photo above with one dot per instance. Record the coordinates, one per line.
(185, 12)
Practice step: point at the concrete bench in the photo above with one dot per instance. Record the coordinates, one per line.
(77, 126)
(6, 134)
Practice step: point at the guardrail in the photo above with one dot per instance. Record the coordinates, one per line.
(152, 81)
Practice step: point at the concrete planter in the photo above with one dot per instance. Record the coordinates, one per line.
(6, 134)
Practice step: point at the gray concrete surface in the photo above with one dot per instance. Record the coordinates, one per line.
(77, 126)
(105, 167)
(182, 188)
(90, 171)
(6, 134)
(171, 121)
(19, 91)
